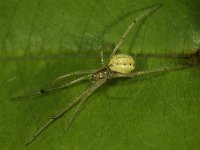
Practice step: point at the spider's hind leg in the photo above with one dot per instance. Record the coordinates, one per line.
(156, 70)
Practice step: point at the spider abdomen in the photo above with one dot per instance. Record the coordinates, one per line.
(121, 63)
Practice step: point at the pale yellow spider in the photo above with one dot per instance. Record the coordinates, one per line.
(120, 65)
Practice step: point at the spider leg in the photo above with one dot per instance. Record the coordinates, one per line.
(80, 99)
(78, 108)
(47, 90)
(73, 73)
(102, 58)
(135, 21)
(105, 45)
(157, 70)
(51, 89)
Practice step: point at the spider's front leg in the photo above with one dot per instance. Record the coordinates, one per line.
(77, 101)
(52, 87)
(74, 73)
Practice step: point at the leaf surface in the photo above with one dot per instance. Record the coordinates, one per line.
(42, 39)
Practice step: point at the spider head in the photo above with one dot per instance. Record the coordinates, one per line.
(121, 63)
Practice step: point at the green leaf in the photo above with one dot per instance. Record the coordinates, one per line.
(41, 40)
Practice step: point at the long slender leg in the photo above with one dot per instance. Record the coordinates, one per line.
(102, 58)
(73, 73)
(51, 89)
(47, 90)
(157, 70)
(147, 12)
(105, 45)
(81, 98)
(78, 108)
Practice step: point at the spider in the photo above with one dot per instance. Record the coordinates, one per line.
(119, 66)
